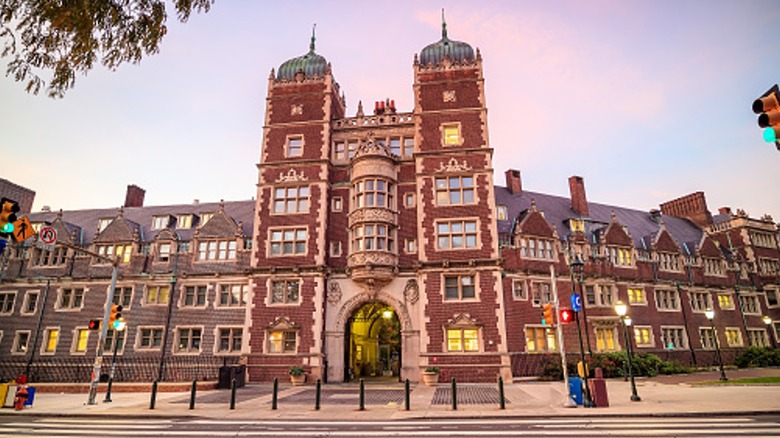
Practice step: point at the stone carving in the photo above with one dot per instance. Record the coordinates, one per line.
(372, 215)
(454, 166)
(334, 293)
(296, 110)
(448, 96)
(291, 176)
(412, 291)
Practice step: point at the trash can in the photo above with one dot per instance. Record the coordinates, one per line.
(30, 396)
(598, 390)
(228, 373)
(575, 389)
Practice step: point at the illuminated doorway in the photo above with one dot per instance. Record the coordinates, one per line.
(373, 347)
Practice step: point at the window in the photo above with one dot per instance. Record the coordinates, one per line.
(163, 252)
(733, 337)
(30, 305)
(410, 246)
(408, 147)
(606, 338)
(395, 145)
(184, 221)
(750, 304)
(232, 295)
(70, 298)
(451, 134)
(373, 237)
(673, 338)
(767, 240)
(104, 223)
(666, 300)
(183, 247)
(21, 340)
(352, 146)
(409, 200)
(576, 225)
(459, 287)
(217, 250)
(518, 290)
(337, 203)
(536, 248)
(725, 302)
(123, 251)
(55, 257)
(456, 234)
(291, 199)
(462, 340)
(501, 213)
(636, 296)
(157, 295)
(772, 297)
(339, 151)
(205, 217)
(455, 190)
(619, 256)
(713, 266)
(7, 302)
(282, 342)
(643, 336)
(160, 222)
(700, 301)
(600, 295)
(707, 336)
(230, 340)
(115, 339)
(188, 339)
(668, 261)
(50, 338)
(123, 296)
(150, 338)
(769, 266)
(373, 193)
(295, 146)
(757, 338)
(80, 340)
(335, 249)
(195, 296)
(540, 339)
(285, 292)
(291, 241)
(541, 293)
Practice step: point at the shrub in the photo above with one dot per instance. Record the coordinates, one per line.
(758, 357)
(296, 371)
(673, 367)
(432, 370)
(551, 368)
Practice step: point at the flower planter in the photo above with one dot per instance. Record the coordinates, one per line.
(429, 378)
(298, 380)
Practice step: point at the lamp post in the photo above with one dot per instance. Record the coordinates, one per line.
(710, 314)
(621, 309)
(119, 329)
(576, 268)
(772, 339)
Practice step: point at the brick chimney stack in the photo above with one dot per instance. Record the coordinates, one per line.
(513, 182)
(135, 196)
(579, 202)
(692, 207)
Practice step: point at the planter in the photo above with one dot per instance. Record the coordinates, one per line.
(430, 378)
(298, 380)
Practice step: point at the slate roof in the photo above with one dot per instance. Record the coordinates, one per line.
(86, 221)
(557, 209)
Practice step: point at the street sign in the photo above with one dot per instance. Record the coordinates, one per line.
(48, 235)
(23, 229)
(576, 303)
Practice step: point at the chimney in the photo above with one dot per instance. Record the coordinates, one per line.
(579, 202)
(513, 182)
(692, 207)
(134, 196)
(725, 210)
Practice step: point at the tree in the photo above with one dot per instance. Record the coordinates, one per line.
(65, 37)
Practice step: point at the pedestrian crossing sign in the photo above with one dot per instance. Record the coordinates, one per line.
(23, 229)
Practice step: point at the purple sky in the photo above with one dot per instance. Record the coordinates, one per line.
(648, 101)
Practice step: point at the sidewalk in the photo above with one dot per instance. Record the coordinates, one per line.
(663, 396)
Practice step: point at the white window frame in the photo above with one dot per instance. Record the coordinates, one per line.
(447, 190)
(270, 300)
(451, 125)
(463, 349)
(519, 284)
(671, 292)
(267, 344)
(651, 336)
(294, 242)
(683, 337)
(337, 204)
(244, 291)
(194, 305)
(26, 302)
(138, 345)
(731, 301)
(459, 276)
(74, 343)
(46, 336)
(464, 234)
(301, 203)
(15, 346)
(708, 304)
(218, 340)
(549, 335)
(147, 290)
(14, 294)
(288, 152)
(643, 302)
(70, 308)
(189, 351)
(738, 342)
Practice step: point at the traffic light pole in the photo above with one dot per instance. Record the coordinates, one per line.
(102, 340)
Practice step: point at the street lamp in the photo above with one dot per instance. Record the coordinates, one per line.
(710, 314)
(621, 309)
(768, 321)
(575, 267)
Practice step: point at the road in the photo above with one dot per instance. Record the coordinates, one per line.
(646, 427)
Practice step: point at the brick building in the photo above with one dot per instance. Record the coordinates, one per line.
(378, 245)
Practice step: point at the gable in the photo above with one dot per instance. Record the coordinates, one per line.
(120, 230)
(664, 242)
(708, 248)
(220, 225)
(617, 235)
(534, 224)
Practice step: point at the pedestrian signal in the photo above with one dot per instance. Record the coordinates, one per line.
(94, 324)
(566, 315)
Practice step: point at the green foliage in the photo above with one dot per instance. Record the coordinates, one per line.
(674, 367)
(758, 357)
(432, 370)
(613, 364)
(551, 368)
(65, 38)
(296, 371)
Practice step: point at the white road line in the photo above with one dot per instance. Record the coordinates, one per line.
(577, 421)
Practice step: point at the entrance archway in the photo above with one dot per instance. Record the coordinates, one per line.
(372, 347)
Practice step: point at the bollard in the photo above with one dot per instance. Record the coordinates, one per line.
(233, 394)
(454, 395)
(317, 395)
(407, 399)
(362, 395)
(502, 401)
(192, 393)
(275, 395)
(154, 394)
(108, 391)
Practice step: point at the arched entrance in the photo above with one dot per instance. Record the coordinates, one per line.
(372, 347)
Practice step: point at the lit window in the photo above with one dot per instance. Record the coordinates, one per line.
(184, 221)
(457, 234)
(123, 251)
(576, 225)
(451, 134)
(230, 340)
(501, 213)
(285, 292)
(619, 256)
(606, 338)
(157, 295)
(232, 295)
(459, 287)
(636, 296)
(725, 302)
(80, 340)
(462, 340)
(188, 340)
(540, 339)
(291, 199)
(205, 217)
(50, 339)
(643, 336)
(733, 337)
(291, 241)
(282, 342)
(295, 146)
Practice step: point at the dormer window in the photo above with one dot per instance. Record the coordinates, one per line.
(501, 213)
(576, 225)
(668, 261)
(619, 256)
(537, 248)
(104, 223)
(164, 252)
(160, 222)
(184, 221)
(205, 217)
(123, 251)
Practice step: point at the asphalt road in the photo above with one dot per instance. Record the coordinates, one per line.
(727, 426)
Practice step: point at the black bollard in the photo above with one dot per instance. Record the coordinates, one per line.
(108, 391)
(454, 395)
(502, 401)
(154, 395)
(362, 395)
(317, 395)
(233, 394)
(407, 398)
(275, 395)
(192, 393)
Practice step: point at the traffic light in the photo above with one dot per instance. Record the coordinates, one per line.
(114, 317)
(768, 109)
(94, 324)
(566, 315)
(8, 210)
(547, 314)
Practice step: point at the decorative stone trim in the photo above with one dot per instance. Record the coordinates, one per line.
(291, 176)
(454, 166)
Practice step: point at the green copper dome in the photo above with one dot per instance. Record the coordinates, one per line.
(456, 51)
(311, 64)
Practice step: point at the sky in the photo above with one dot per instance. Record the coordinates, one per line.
(648, 101)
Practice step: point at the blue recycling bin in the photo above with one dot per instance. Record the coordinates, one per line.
(30, 396)
(575, 389)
